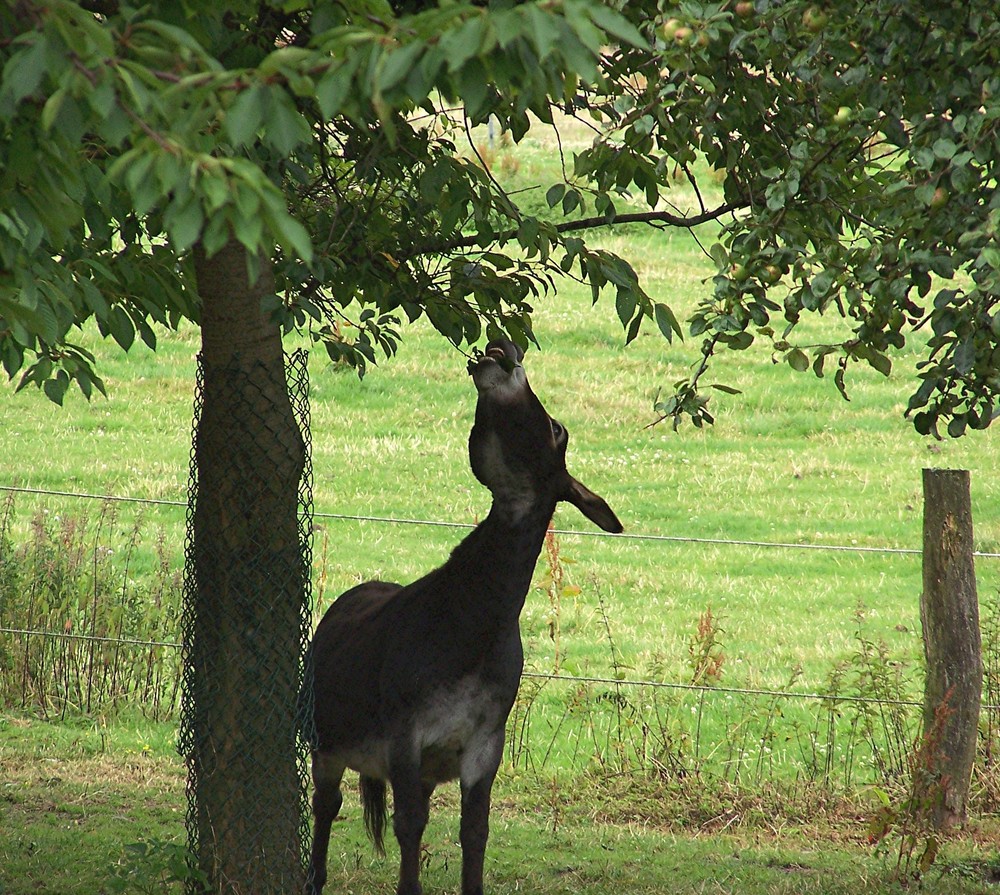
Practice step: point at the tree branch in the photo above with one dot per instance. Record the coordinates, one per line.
(101, 7)
(592, 223)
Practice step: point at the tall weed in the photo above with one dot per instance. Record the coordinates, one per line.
(986, 774)
(715, 751)
(82, 632)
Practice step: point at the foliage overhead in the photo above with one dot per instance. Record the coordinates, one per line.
(860, 147)
(856, 144)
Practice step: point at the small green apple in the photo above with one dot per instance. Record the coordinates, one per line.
(739, 273)
(940, 198)
(670, 28)
(843, 116)
(770, 274)
(814, 19)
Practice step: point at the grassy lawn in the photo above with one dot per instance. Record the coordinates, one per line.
(787, 462)
(88, 809)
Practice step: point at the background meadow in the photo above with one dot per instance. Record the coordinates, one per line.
(787, 462)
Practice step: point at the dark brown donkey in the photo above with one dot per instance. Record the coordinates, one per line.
(413, 684)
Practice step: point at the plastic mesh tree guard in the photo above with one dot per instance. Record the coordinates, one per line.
(246, 624)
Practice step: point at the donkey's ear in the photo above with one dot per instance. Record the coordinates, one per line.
(594, 507)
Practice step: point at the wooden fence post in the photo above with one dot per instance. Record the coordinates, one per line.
(949, 614)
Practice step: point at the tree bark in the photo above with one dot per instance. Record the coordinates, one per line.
(249, 587)
(949, 614)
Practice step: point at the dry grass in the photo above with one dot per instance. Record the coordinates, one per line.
(74, 797)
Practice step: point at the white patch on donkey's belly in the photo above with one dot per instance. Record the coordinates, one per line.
(455, 731)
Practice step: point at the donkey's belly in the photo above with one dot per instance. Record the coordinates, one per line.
(459, 733)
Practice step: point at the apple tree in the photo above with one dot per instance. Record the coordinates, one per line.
(255, 168)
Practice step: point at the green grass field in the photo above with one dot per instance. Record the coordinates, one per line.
(788, 462)
(91, 809)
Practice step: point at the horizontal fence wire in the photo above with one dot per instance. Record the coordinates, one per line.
(705, 688)
(624, 536)
(561, 678)
(90, 638)
(558, 678)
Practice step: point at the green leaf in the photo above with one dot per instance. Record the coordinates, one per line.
(625, 304)
(474, 87)
(333, 89)
(46, 323)
(121, 328)
(462, 44)
(294, 237)
(633, 330)
(215, 190)
(924, 423)
(737, 341)
(134, 168)
(102, 99)
(944, 148)
(55, 389)
(544, 30)
(53, 105)
(822, 283)
(245, 115)
(24, 70)
(397, 66)
(284, 127)
(965, 355)
(880, 362)
(719, 255)
(616, 25)
(554, 194)
(527, 234)
(183, 223)
(666, 321)
(181, 37)
(775, 196)
(798, 360)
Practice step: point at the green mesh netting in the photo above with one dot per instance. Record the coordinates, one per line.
(246, 623)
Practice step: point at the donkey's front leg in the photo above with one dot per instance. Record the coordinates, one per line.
(475, 832)
(477, 783)
(411, 808)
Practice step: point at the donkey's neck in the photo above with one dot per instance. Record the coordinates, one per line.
(497, 560)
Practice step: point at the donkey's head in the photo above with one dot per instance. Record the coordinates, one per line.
(516, 449)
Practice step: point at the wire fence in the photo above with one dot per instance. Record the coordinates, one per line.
(62, 652)
(534, 675)
(247, 571)
(109, 499)
(583, 533)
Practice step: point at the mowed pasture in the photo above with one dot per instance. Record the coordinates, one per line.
(788, 463)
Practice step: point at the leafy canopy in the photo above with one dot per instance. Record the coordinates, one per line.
(856, 145)
(322, 137)
(860, 145)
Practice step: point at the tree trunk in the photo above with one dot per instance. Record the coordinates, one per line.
(949, 613)
(249, 587)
